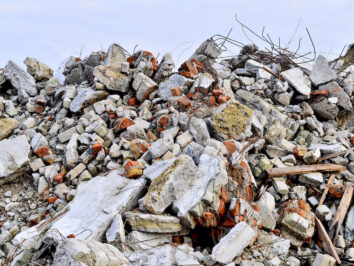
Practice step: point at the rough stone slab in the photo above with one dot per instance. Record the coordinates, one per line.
(37, 69)
(7, 126)
(335, 90)
(152, 223)
(13, 156)
(321, 72)
(297, 79)
(20, 79)
(75, 252)
(115, 56)
(171, 184)
(85, 98)
(232, 120)
(233, 243)
(112, 78)
(95, 205)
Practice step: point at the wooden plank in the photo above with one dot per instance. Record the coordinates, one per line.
(341, 212)
(326, 241)
(329, 183)
(304, 169)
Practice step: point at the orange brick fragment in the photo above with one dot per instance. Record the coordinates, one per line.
(230, 146)
(184, 103)
(51, 200)
(132, 101)
(176, 91)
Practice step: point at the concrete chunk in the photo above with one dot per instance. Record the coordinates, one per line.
(296, 78)
(170, 184)
(233, 243)
(96, 203)
(153, 223)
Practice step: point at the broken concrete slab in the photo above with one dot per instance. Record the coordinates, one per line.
(298, 80)
(233, 244)
(13, 160)
(151, 223)
(95, 205)
(170, 184)
(321, 72)
(20, 79)
(79, 252)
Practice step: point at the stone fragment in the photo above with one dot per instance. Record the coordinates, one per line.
(115, 234)
(184, 139)
(233, 244)
(141, 240)
(232, 120)
(170, 184)
(144, 86)
(312, 156)
(298, 80)
(86, 97)
(96, 203)
(314, 179)
(20, 79)
(13, 160)
(280, 185)
(153, 223)
(7, 126)
(71, 153)
(72, 251)
(112, 78)
(321, 72)
(115, 56)
(165, 68)
(335, 91)
(324, 260)
(199, 130)
(66, 135)
(38, 70)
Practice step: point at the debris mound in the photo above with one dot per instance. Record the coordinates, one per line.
(124, 159)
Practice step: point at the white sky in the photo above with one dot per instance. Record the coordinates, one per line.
(51, 30)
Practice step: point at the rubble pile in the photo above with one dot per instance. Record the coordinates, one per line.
(125, 160)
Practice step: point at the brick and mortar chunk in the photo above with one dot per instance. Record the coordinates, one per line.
(232, 120)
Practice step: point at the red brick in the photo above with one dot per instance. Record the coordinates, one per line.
(217, 92)
(222, 99)
(132, 101)
(212, 100)
(230, 146)
(163, 121)
(122, 123)
(51, 200)
(320, 92)
(176, 91)
(185, 103)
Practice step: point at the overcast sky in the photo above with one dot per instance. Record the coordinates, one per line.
(51, 30)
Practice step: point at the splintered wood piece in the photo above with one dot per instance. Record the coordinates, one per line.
(326, 241)
(304, 169)
(341, 212)
(329, 183)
